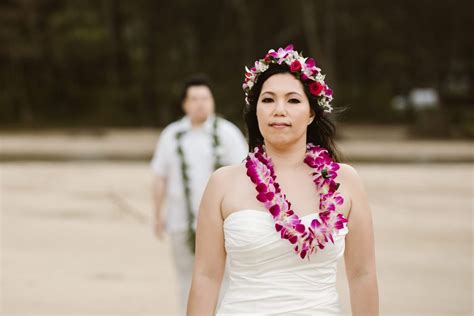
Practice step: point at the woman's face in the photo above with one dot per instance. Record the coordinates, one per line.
(283, 110)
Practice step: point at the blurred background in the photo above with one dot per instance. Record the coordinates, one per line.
(86, 87)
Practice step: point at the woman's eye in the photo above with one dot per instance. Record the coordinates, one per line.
(294, 101)
(267, 100)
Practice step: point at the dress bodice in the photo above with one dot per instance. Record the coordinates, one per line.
(266, 276)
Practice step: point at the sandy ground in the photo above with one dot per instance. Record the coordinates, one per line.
(357, 143)
(76, 240)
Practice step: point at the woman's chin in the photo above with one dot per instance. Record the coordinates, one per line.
(278, 141)
(282, 141)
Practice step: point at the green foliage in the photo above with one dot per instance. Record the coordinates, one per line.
(122, 63)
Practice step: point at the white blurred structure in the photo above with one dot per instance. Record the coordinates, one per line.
(424, 98)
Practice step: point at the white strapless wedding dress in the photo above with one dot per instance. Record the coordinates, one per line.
(265, 275)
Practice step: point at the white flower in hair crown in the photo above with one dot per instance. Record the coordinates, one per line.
(303, 68)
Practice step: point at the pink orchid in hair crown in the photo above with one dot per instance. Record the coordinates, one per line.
(303, 68)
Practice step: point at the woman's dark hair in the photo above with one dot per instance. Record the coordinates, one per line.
(320, 132)
(195, 80)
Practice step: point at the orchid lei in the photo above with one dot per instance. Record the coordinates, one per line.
(303, 68)
(307, 240)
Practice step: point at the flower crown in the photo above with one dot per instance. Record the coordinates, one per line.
(303, 68)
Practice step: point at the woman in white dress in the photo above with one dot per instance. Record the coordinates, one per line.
(283, 255)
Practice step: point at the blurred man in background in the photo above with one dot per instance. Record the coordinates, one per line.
(188, 151)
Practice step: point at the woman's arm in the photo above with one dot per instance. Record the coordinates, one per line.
(359, 255)
(210, 258)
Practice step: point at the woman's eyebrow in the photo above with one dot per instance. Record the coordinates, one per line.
(273, 93)
(293, 92)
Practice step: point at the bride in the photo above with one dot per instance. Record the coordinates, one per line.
(290, 212)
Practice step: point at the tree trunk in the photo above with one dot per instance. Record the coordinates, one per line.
(322, 55)
(149, 98)
(246, 27)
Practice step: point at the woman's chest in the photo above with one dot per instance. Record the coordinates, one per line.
(300, 192)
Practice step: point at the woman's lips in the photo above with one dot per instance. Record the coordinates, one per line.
(279, 125)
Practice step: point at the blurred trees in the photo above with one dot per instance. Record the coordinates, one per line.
(122, 63)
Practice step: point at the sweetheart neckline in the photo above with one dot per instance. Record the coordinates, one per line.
(263, 212)
(346, 228)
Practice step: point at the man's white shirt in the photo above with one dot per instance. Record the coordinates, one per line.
(199, 156)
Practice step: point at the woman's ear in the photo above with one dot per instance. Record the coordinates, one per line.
(311, 117)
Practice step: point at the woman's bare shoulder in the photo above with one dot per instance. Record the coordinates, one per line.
(220, 182)
(348, 173)
(351, 182)
(349, 178)
(223, 181)
(228, 174)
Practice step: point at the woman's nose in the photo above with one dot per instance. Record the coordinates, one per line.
(280, 108)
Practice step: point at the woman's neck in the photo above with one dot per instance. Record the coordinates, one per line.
(289, 157)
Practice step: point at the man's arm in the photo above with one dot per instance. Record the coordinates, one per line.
(159, 188)
(160, 164)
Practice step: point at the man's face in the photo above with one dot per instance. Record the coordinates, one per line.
(198, 103)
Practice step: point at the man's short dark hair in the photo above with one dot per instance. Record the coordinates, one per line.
(196, 80)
